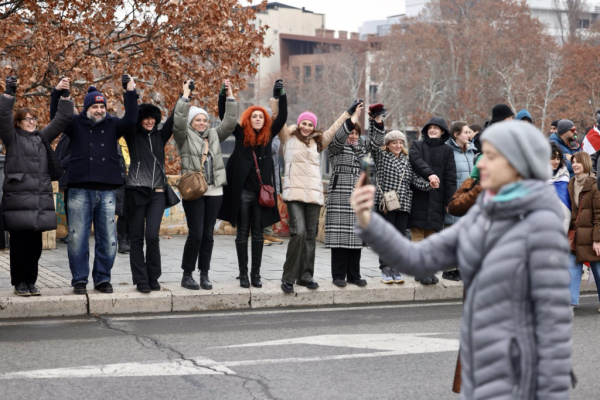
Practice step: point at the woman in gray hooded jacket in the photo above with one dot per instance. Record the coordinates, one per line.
(512, 250)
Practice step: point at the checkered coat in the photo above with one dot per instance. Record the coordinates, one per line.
(345, 164)
(390, 170)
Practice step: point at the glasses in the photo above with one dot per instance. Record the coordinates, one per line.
(29, 119)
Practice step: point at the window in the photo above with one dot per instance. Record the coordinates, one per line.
(296, 71)
(583, 24)
(318, 73)
(373, 93)
(307, 71)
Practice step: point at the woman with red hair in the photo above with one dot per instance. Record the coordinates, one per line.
(253, 136)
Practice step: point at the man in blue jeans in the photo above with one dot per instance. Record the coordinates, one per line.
(94, 174)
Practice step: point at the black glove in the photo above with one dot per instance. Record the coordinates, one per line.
(192, 86)
(223, 90)
(353, 107)
(64, 92)
(278, 89)
(125, 79)
(11, 86)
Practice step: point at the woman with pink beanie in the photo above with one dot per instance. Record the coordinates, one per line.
(303, 190)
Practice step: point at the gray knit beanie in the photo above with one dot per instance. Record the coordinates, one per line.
(523, 145)
(563, 126)
(394, 135)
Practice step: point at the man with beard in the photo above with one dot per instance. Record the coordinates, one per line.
(565, 138)
(94, 174)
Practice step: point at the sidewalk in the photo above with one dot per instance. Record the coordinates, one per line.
(58, 299)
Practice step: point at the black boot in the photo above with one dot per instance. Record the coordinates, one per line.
(242, 254)
(204, 281)
(188, 281)
(257, 250)
(123, 245)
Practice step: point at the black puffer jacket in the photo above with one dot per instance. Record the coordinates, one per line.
(27, 199)
(432, 157)
(144, 171)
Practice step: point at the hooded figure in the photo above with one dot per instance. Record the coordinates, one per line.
(524, 115)
(431, 158)
(145, 200)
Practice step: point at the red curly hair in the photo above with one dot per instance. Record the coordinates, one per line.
(251, 138)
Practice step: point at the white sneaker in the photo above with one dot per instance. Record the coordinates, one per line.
(386, 275)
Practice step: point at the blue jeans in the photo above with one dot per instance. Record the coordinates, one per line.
(576, 271)
(87, 206)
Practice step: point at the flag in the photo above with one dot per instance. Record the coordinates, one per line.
(591, 143)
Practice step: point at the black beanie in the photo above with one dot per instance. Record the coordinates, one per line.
(555, 123)
(500, 112)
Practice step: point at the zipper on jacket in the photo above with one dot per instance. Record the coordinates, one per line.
(515, 362)
(153, 164)
(138, 171)
(487, 227)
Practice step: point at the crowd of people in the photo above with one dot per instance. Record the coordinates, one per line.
(115, 167)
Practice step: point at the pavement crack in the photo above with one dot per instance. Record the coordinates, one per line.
(149, 342)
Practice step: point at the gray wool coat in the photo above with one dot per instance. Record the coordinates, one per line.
(27, 200)
(513, 254)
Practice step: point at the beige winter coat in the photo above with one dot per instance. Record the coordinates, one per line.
(302, 179)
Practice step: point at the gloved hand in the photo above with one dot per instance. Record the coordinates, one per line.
(64, 92)
(352, 108)
(192, 86)
(377, 109)
(223, 91)
(278, 89)
(11, 86)
(125, 79)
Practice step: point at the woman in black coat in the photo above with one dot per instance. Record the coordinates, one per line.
(145, 200)
(27, 200)
(253, 137)
(434, 161)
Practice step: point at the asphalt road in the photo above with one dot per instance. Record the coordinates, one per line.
(398, 351)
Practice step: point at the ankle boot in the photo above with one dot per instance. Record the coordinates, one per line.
(242, 254)
(188, 281)
(204, 281)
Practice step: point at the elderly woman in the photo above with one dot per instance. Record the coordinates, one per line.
(512, 250)
(27, 199)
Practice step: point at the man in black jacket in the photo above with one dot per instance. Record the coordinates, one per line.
(94, 174)
(433, 160)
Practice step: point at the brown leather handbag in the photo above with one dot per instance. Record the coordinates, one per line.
(266, 195)
(193, 185)
(464, 198)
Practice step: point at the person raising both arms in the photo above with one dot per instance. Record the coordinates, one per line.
(250, 173)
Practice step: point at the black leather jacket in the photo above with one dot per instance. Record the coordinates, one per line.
(147, 150)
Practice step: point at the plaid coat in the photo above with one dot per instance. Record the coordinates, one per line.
(345, 163)
(390, 170)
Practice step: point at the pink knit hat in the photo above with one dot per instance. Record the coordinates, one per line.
(307, 115)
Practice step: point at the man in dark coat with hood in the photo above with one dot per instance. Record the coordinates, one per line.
(433, 161)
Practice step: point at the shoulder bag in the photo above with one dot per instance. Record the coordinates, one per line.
(193, 185)
(171, 198)
(56, 170)
(266, 194)
(390, 201)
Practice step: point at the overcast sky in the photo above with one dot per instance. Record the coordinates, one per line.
(346, 15)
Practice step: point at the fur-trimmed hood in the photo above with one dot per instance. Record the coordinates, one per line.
(146, 110)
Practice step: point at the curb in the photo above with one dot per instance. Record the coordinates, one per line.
(224, 296)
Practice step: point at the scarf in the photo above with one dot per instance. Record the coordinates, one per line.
(578, 186)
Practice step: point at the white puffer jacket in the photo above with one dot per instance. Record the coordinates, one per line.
(302, 178)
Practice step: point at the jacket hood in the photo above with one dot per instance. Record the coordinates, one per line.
(521, 198)
(438, 121)
(522, 114)
(452, 143)
(146, 110)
